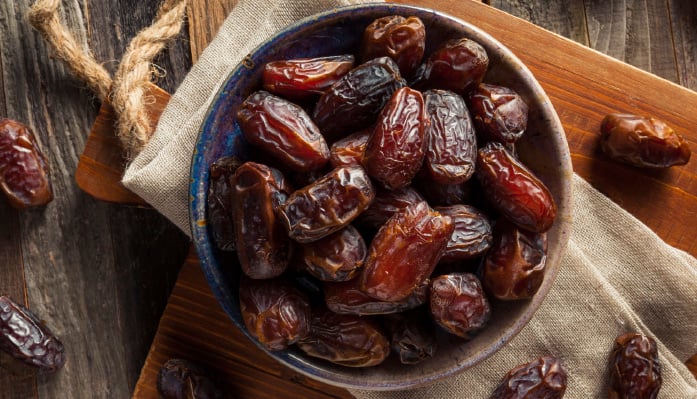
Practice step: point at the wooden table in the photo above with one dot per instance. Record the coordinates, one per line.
(100, 274)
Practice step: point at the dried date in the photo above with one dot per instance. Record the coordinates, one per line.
(355, 100)
(401, 39)
(24, 175)
(635, 372)
(386, 204)
(220, 217)
(395, 150)
(459, 66)
(499, 113)
(514, 190)
(451, 145)
(263, 248)
(328, 204)
(274, 311)
(27, 339)
(404, 252)
(412, 336)
(543, 378)
(458, 304)
(348, 340)
(643, 142)
(337, 257)
(284, 130)
(182, 379)
(303, 78)
(514, 267)
(347, 298)
(350, 149)
(472, 235)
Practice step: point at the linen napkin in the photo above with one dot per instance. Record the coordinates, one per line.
(617, 276)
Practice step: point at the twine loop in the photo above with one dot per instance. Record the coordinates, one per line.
(127, 91)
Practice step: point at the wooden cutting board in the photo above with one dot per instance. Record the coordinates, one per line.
(583, 85)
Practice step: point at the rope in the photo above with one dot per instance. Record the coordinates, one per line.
(127, 93)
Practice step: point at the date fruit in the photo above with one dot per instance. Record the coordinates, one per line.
(404, 252)
(182, 379)
(635, 372)
(27, 339)
(355, 100)
(514, 267)
(274, 311)
(386, 204)
(395, 149)
(401, 39)
(413, 336)
(24, 176)
(304, 78)
(499, 113)
(350, 149)
(347, 298)
(458, 304)
(348, 340)
(459, 66)
(328, 204)
(691, 364)
(451, 144)
(472, 235)
(337, 257)
(642, 142)
(263, 247)
(543, 378)
(514, 190)
(220, 217)
(284, 130)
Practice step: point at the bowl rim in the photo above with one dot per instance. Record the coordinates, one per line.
(204, 246)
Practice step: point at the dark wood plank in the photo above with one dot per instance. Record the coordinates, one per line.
(683, 14)
(212, 11)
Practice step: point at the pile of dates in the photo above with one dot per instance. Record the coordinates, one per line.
(383, 199)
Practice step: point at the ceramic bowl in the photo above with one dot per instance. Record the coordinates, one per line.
(543, 149)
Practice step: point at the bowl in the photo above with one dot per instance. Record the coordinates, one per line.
(543, 148)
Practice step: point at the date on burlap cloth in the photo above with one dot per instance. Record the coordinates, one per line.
(617, 276)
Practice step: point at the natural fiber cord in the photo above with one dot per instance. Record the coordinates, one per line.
(127, 91)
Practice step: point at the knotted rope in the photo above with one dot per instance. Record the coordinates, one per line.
(127, 91)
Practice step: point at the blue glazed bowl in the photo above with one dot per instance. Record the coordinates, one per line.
(543, 149)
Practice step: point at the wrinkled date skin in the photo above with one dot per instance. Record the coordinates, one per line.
(274, 311)
(395, 149)
(441, 194)
(284, 130)
(459, 66)
(514, 267)
(543, 378)
(263, 248)
(413, 336)
(514, 190)
(350, 149)
(182, 379)
(337, 257)
(451, 144)
(635, 372)
(328, 204)
(220, 217)
(304, 78)
(355, 100)
(404, 252)
(458, 304)
(499, 113)
(472, 235)
(401, 39)
(24, 176)
(691, 364)
(25, 338)
(348, 340)
(386, 204)
(347, 298)
(643, 142)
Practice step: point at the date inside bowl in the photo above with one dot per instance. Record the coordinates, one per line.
(435, 198)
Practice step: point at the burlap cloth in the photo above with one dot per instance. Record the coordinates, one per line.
(617, 276)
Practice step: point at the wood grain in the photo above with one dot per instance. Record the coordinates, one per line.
(206, 17)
